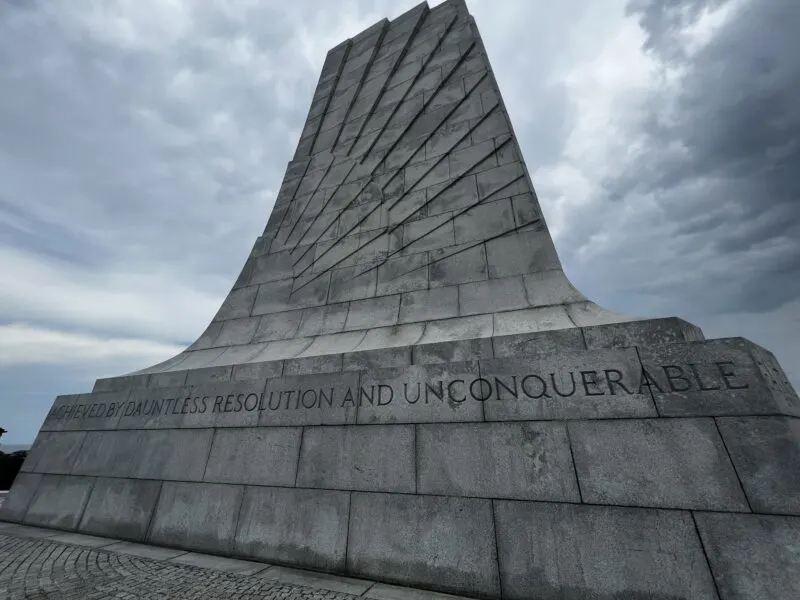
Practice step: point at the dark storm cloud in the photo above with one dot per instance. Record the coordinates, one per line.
(720, 159)
(664, 20)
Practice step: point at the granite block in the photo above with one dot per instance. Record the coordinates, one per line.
(456, 351)
(278, 326)
(215, 374)
(58, 452)
(323, 319)
(59, 501)
(521, 253)
(294, 526)
(540, 343)
(389, 338)
(239, 302)
(459, 328)
(457, 264)
(209, 526)
(403, 274)
(109, 453)
(424, 305)
(19, 497)
(378, 458)
(373, 312)
(486, 221)
(382, 358)
(171, 454)
(554, 551)
(254, 455)
(120, 508)
(766, 454)
(669, 463)
(257, 370)
(494, 295)
(441, 543)
(525, 461)
(543, 318)
(752, 556)
(647, 332)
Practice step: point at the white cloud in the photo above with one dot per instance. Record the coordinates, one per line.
(23, 344)
(155, 303)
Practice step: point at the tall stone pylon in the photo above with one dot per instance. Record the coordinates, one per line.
(403, 385)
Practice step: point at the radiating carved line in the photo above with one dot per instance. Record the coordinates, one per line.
(456, 253)
(411, 87)
(412, 36)
(291, 200)
(310, 199)
(444, 156)
(330, 95)
(342, 62)
(322, 211)
(387, 231)
(443, 223)
(367, 68)
(425, 140)
(430, 135)
(363, 158)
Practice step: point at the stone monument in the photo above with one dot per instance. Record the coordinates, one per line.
(403, 385)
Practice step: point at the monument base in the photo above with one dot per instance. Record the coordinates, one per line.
(630, 460)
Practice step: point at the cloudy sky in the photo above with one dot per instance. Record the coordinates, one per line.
(142, 143)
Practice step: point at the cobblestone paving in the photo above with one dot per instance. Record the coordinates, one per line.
(36, 568)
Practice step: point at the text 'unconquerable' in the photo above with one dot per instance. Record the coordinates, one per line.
(452, 391)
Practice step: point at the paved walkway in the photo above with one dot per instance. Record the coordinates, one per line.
(40, 563)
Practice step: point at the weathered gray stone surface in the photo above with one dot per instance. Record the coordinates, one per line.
(568, 551)
(752, 556)
(443, 543)
(766, 454)
(257, 455)
(59, 501)
(302, 527)
(209, 525)
(526, 461)
(669, 463)
(380, 458)
(402, 379)
(120, 508)
(19, 499)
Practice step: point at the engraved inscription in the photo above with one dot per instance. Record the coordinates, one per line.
(587, 383)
